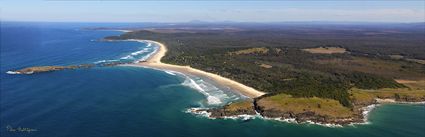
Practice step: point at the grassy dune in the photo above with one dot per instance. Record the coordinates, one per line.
(320, 106)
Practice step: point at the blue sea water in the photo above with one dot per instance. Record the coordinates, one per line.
(127, 101)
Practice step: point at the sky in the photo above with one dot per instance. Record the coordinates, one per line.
(212, 10)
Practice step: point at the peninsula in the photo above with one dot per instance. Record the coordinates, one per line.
(300, 78)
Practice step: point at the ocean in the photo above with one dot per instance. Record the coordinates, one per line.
(124, 101)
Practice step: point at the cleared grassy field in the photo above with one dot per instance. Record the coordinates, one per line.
(413, 84)
(361, 96)
(326, 50)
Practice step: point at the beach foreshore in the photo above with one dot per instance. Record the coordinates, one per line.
(154, 61)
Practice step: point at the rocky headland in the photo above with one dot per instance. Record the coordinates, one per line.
(312, 110)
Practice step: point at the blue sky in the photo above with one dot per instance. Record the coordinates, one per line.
(208, 10)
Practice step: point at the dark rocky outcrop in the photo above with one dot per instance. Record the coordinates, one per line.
(113, 64)
(312, 116)
(409, 99)
(233, 109)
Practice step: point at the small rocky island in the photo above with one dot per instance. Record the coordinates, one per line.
(41, 69)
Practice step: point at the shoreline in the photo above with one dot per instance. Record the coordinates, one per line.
(154, 61)
(365, 112)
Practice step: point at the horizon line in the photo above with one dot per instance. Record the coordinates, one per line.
(224, 21)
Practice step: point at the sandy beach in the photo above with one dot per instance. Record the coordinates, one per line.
(155, 62)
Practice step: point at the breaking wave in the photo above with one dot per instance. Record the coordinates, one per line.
(12, 72)
(104, 61)
(134, 57)
(215, 95)
(170, 72)
(144, 58)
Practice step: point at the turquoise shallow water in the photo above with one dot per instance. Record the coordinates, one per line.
(130, 101)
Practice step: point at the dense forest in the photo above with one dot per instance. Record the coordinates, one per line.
(272, 60)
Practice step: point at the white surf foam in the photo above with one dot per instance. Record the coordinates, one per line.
(212, 100)
(287, 120)
(144, 58)
(242, 117)
(134, 55)
(199, 112)
(139, 52)
(104, 61)
(214, 96)
(12, 72)
(127, 57)
(366, 112)
(170, 72)
(203, 113)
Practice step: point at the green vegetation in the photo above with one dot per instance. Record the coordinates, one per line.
(242, 105)
(320, 106)
(261, 50)
(41, 69)
(370, 81)
(238, 55)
